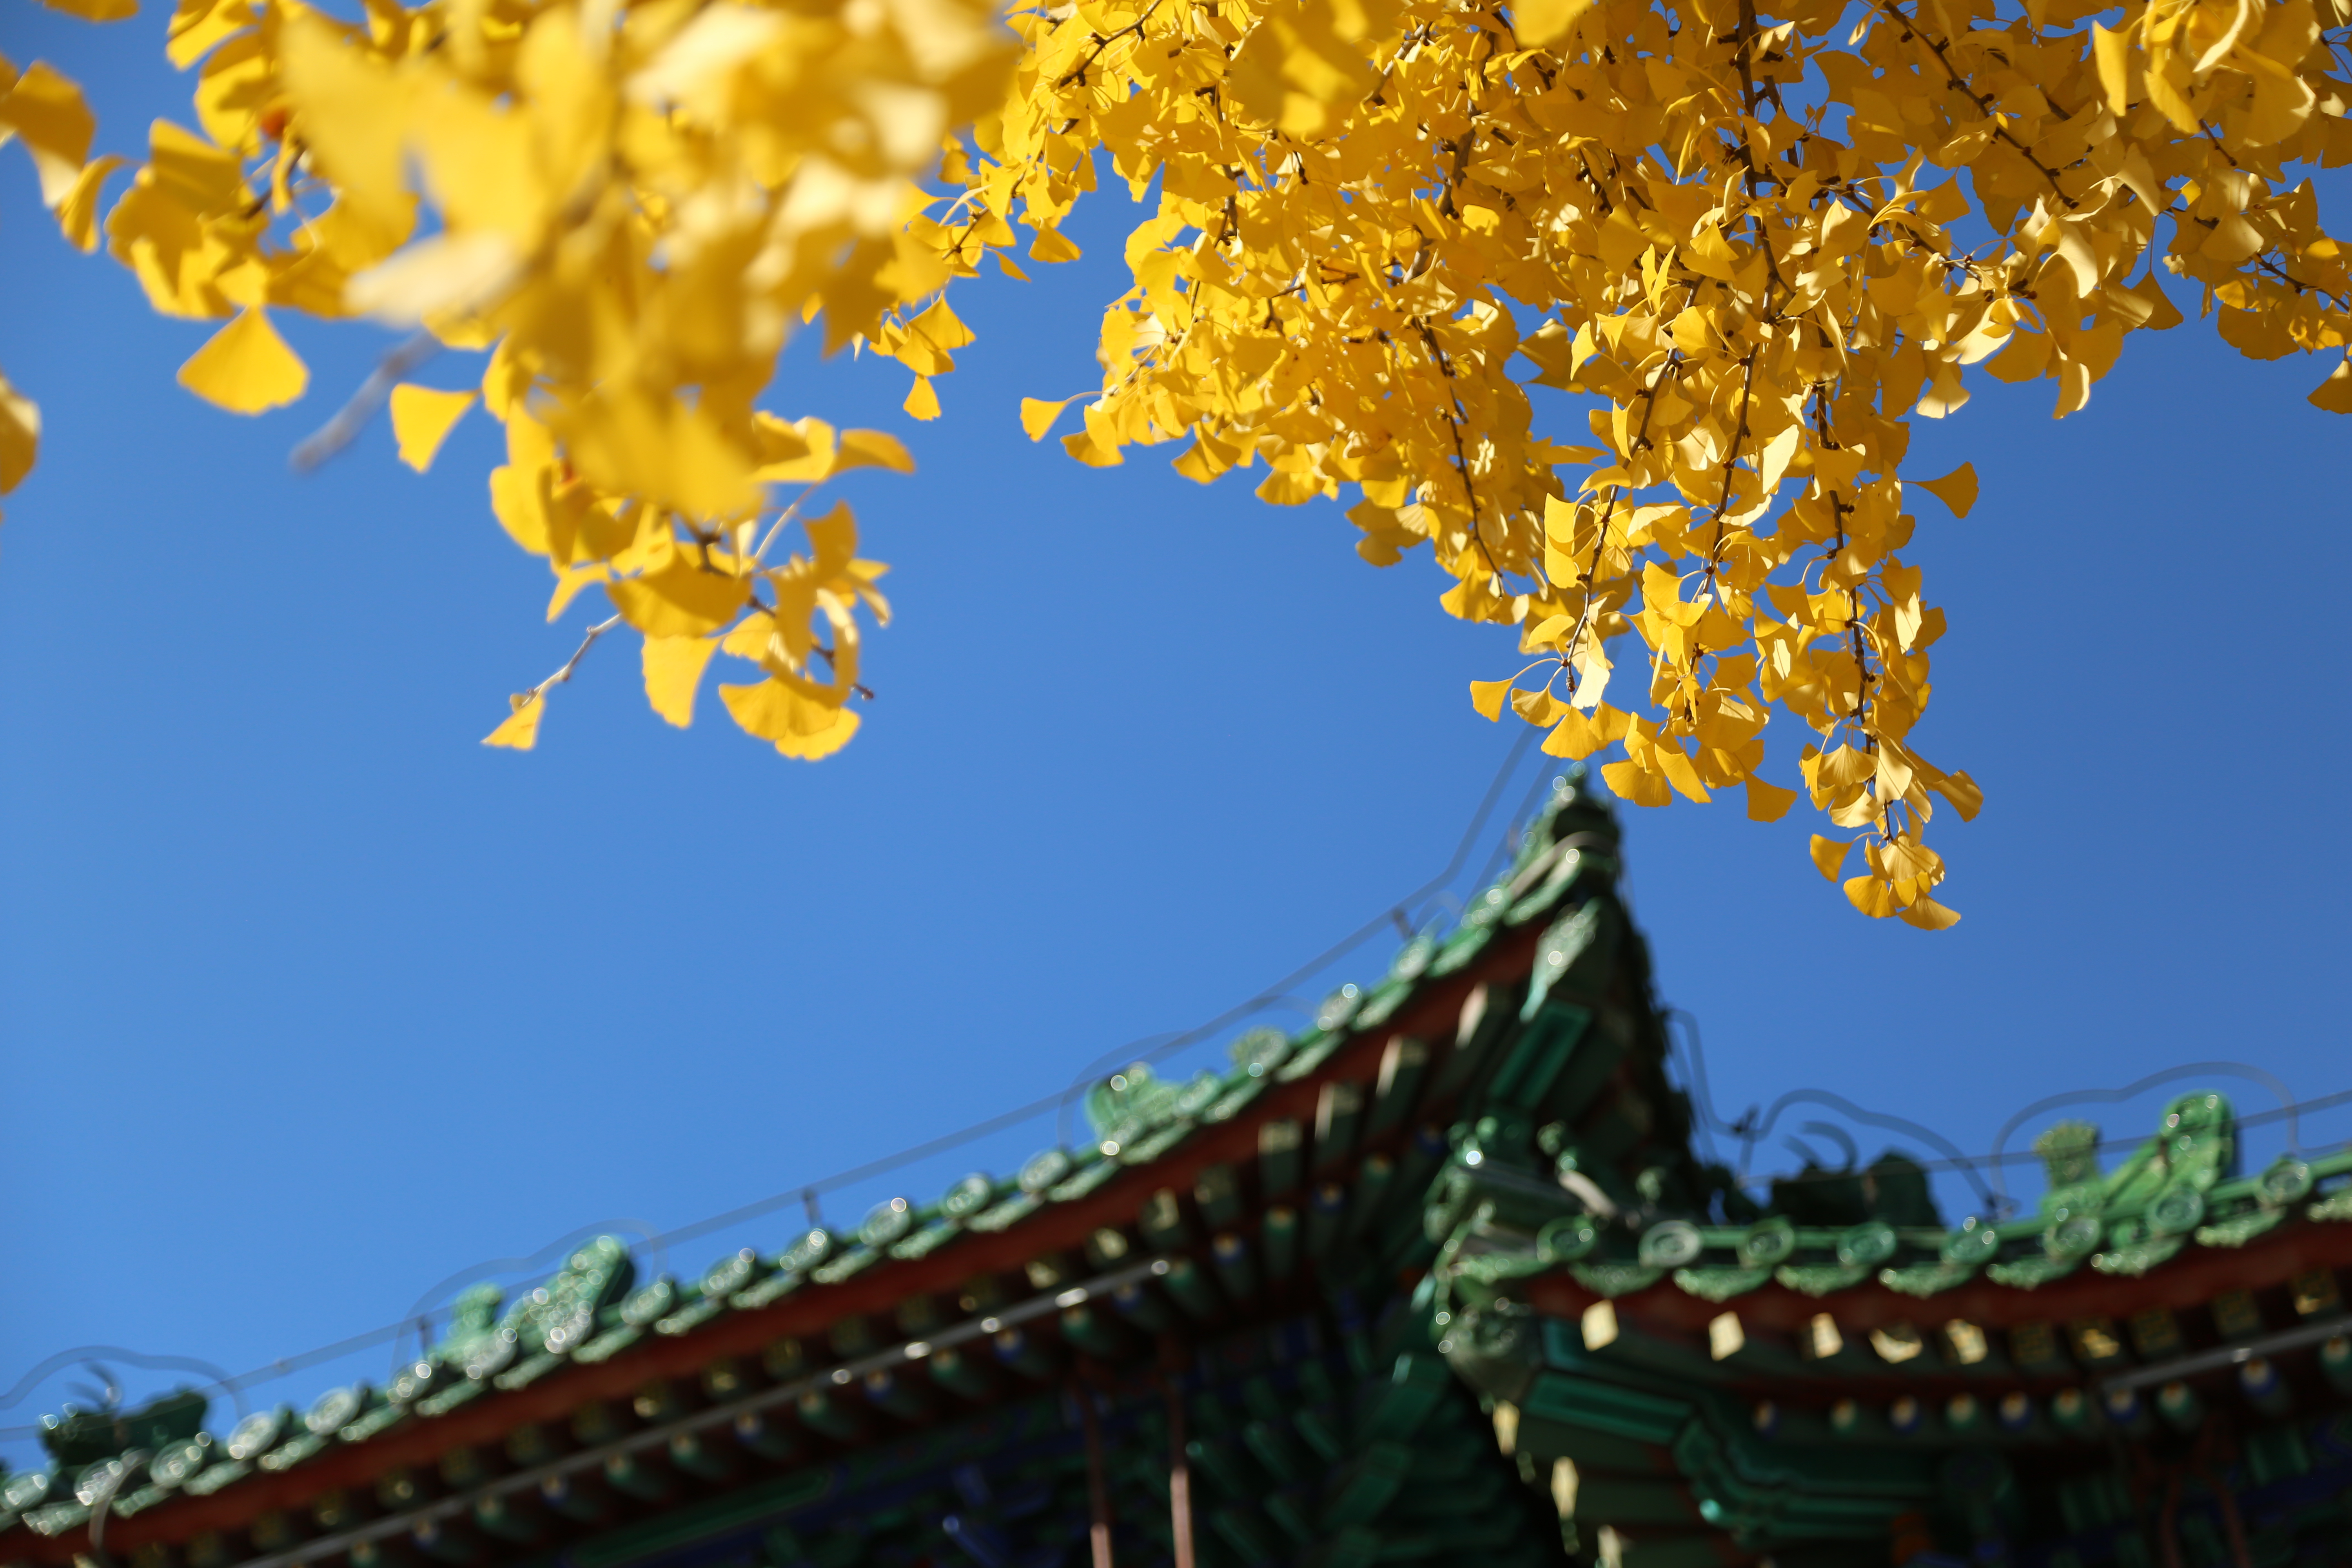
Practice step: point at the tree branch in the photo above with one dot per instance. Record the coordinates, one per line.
(352, 417)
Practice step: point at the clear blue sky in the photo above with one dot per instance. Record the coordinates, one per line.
(308, 1001)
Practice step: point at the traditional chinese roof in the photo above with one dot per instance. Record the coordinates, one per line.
(1711, 1391)
(1438, 1275)
(1280, 1197)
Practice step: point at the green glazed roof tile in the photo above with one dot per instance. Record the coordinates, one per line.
(1614, 1279)
(367, 1426)
(2240, 1229)
(1411, 961)
(2336, 1206)
(439, 1403)
(1543, 884)
(1927, 1279)
(1720, 1284)
(219, 1476)
(773, 1289)
(1152, 1145)
(1309, 1051)
(525, 1372)
(2138, 1257)
(1821, 1279)
(1092, 1176)
(1381, 1004)
(1012, 1211)
(2032, 1273)
(1464, 945)
(55, 1518)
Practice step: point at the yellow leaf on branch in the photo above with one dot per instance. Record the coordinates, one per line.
(682, 598)
(422, 418)
(1767, 802)
(796, 725)
(1956, 490)
(1829, 855)
(44, 111)
(518, 730)
(1050, 246)
(1037, 416)
(673, 670)
(96, 10)
(246, 367)
(1929, 915)
(872, 448)
(2334, 394)
(20, 435)
(1486, 696)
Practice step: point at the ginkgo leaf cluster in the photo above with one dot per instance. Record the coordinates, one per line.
(628, 209)
(1621, 306)
(1746, 240)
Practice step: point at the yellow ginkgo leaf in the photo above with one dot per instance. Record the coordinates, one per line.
(872, 449)
(355, 110)
(679, 600)
(1486, 696)
(1037, 416)
(198, 26)
(1538, 22)
(1678, 771)
(1872, 897)
(45, 112)
(1829, 854)
(1956, 490)
(78, 213)
(421, 420)
(1635, 785)
(1086, 449)
(1767, 802)
(796, 725)
(1929, 915)
(20, 435)
(1049, 246)
(246, 367)
(2113, 52)
(922, 399)
(96, 10)
(1572, 737)
(1538, 708)
(519, 730)
(673, 670)
(838, 731)
(799, 451)
(1961, 790)
(942, 326)
(2334, 394)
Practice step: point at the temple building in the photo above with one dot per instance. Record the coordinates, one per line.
(1439, 1279)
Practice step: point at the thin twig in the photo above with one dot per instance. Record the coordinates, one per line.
(564, 674)
(1078, 73)
(1731, 466)
(352, 417)
(1461, 454)
(1591, 581)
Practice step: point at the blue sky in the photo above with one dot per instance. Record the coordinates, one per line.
(308, 1001)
